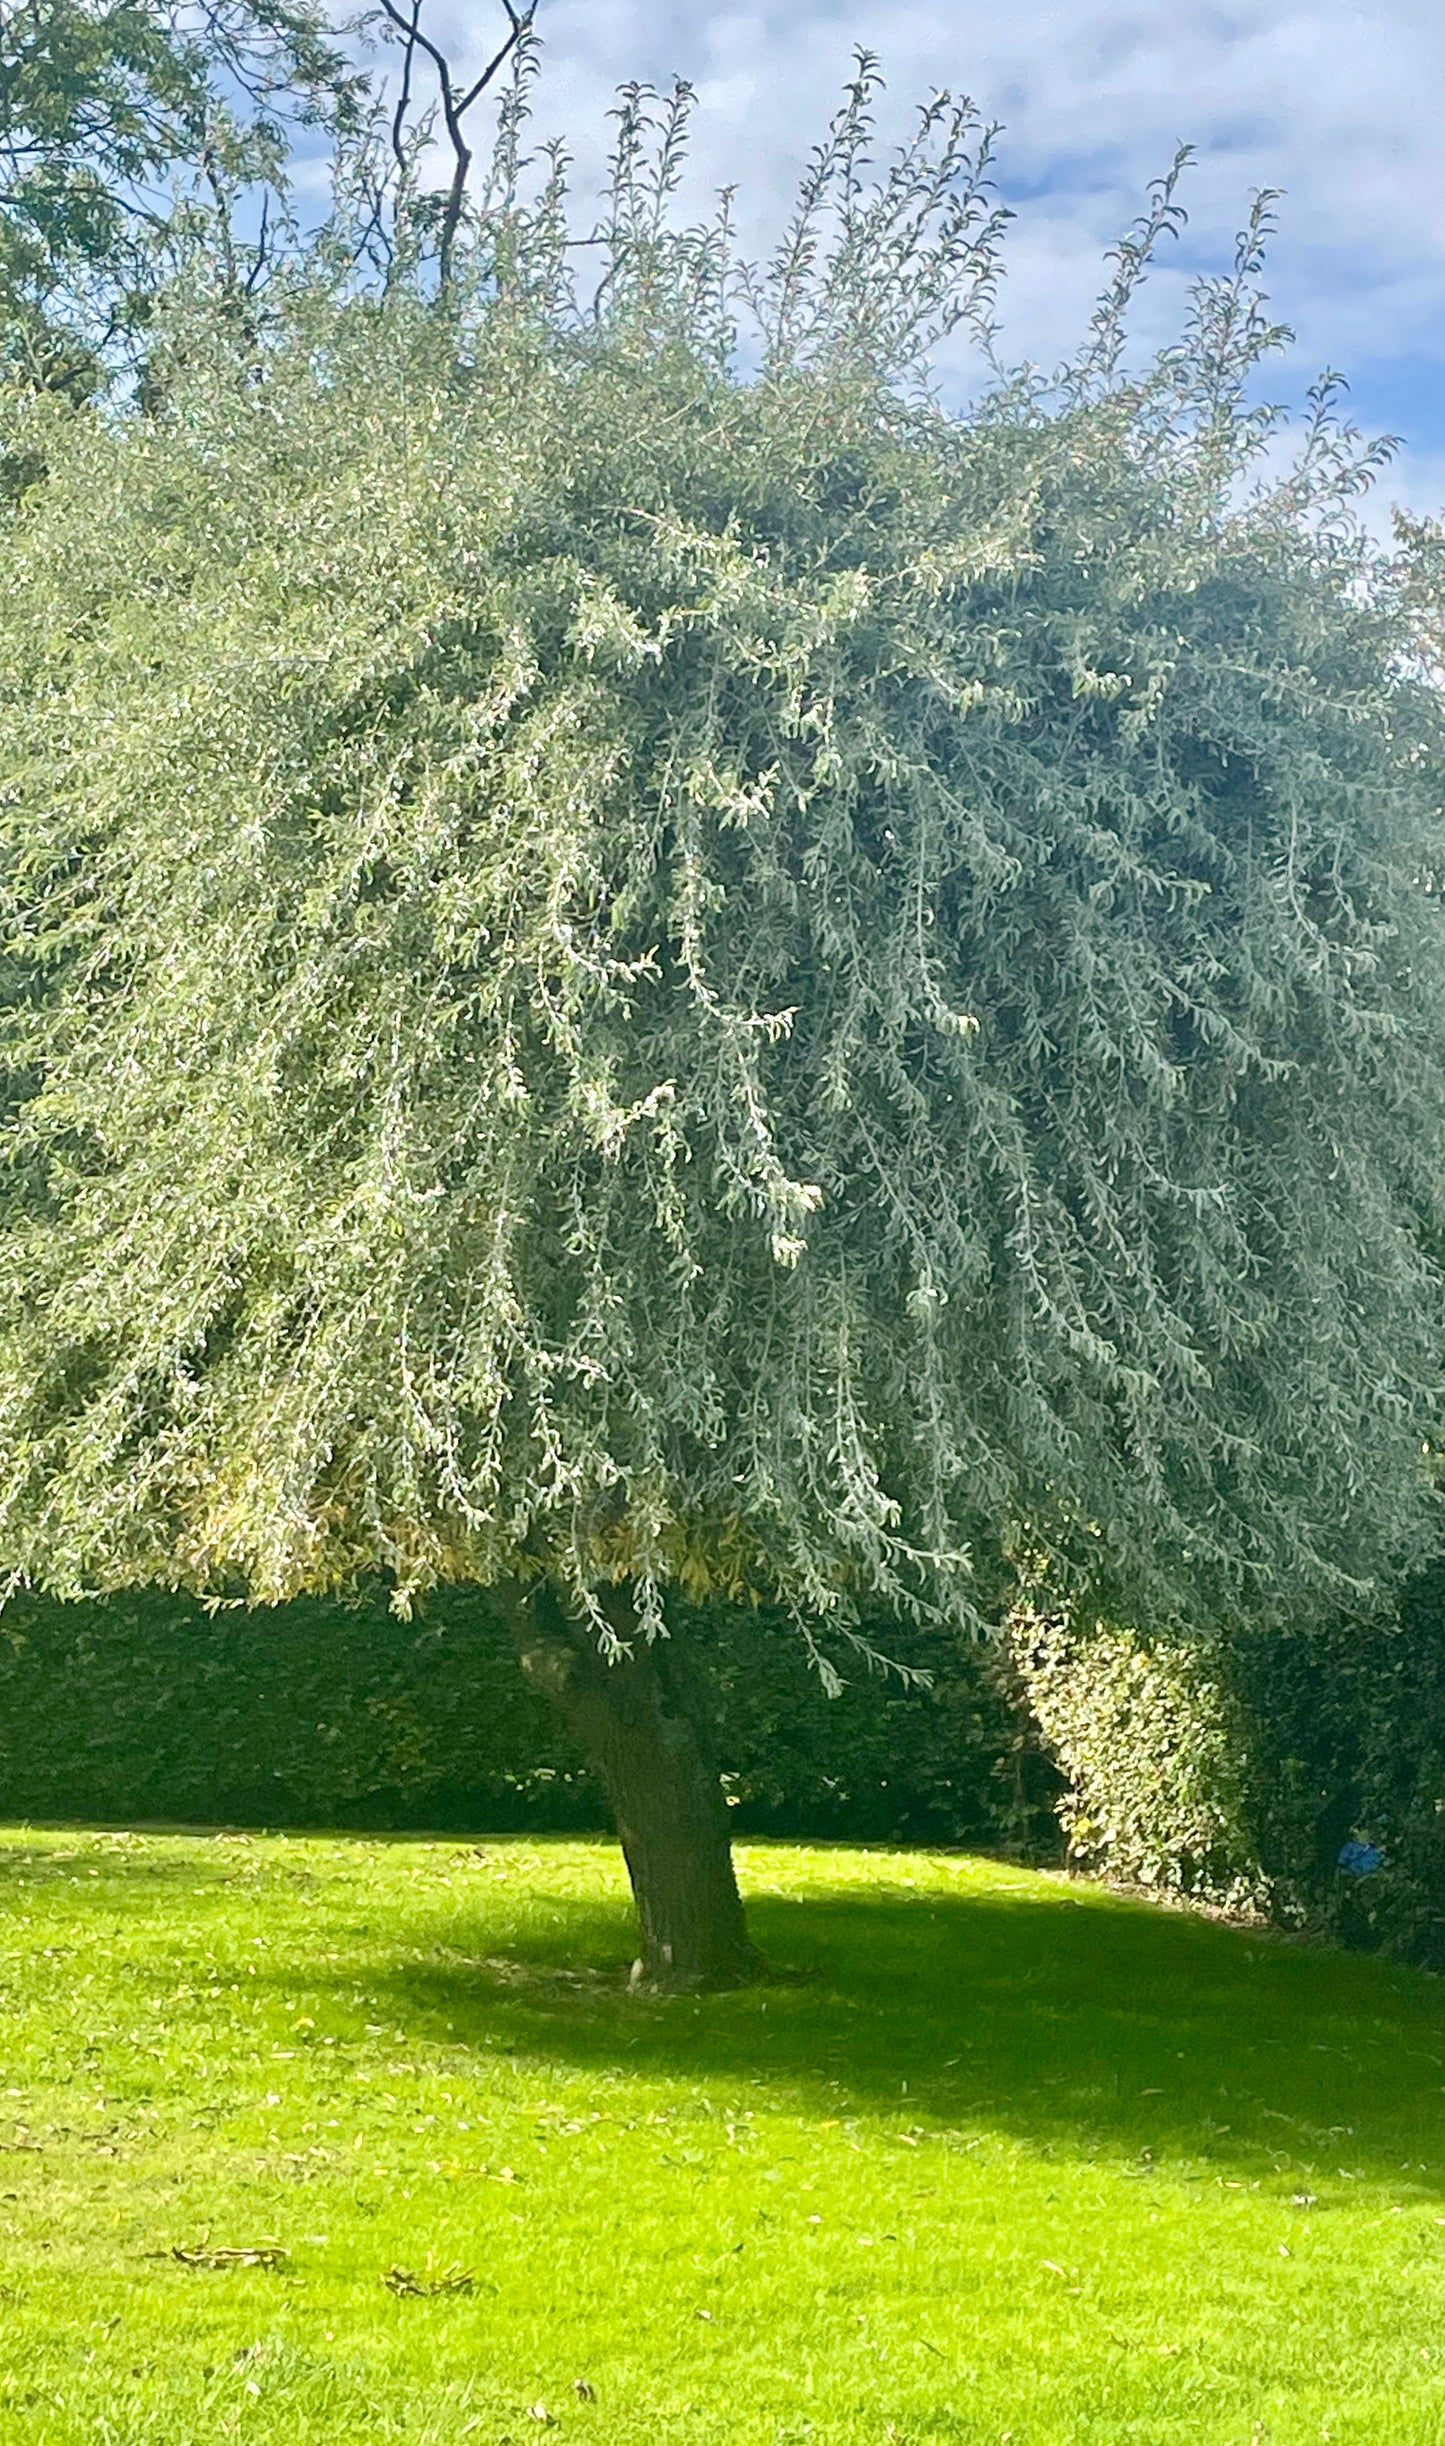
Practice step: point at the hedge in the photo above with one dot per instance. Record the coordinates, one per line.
(1240, 1772)
(330, 1714)
(1232, 1773)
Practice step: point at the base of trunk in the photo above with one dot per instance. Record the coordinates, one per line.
(642, 1723)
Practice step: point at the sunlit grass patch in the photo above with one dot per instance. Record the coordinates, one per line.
(1007, 2156)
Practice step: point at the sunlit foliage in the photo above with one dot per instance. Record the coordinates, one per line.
(632, 948)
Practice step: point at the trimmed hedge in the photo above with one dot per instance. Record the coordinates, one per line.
(1230, 1773)
(329, 1714)
(1238, 1772)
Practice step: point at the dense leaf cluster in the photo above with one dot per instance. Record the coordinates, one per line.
(1302, 1774)
(633, 951)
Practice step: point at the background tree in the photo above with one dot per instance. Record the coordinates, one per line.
(639, 959)
(118, 119)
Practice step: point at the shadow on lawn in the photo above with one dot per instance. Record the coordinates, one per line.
(1070, 2019)
(125, 1876)
(1058, 2014)
(126, 1868)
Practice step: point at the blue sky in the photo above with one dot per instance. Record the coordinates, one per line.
(1339, 105)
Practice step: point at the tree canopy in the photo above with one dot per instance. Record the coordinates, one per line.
(117, 119)
(635, 950)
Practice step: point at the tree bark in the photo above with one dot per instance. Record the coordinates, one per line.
(641, 1720)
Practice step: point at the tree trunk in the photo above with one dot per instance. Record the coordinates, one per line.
(642, 1723)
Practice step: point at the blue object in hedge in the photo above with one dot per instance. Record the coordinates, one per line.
(1360, 1859)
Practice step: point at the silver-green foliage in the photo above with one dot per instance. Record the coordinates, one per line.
(637, 950)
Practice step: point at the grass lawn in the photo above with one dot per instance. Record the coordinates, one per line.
(1014, 2160)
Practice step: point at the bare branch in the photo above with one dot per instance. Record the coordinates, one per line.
(454, 108)
(403, 102)
(261, 260)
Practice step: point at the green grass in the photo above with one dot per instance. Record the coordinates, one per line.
(1013, 2159)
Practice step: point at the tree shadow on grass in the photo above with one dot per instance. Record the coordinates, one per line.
(1057, 2014)
(1066, 2018)
(121, 1876)
(114, 1867)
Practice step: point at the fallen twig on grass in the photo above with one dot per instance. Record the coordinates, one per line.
(227, 2255)
(454, 2279)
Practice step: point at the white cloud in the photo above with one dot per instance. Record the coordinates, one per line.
(1335, 103)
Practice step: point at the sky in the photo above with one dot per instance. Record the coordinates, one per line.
(1338, 105)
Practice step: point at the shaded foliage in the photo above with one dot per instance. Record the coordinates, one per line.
(147, 1706)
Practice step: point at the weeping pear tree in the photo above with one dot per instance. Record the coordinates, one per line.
(638, 959)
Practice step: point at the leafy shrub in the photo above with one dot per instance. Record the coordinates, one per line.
(322, 1713)
(1238, 1770)
(1155, 1755)
(1347, 1725)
